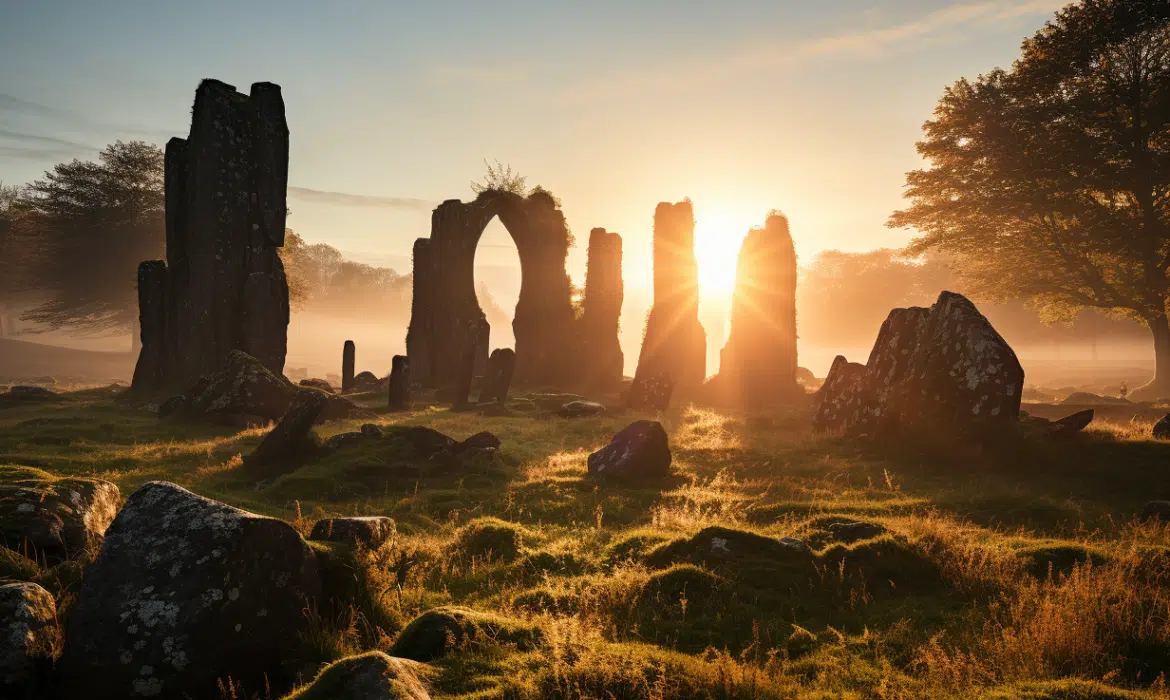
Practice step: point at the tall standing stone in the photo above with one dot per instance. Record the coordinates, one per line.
(149, 373)
(400, 383)
(758, 364)
(675, 344)
(498, 378)
(348, 360)
(418, 334)
(601, 358)
(225, 191)
(462, 397)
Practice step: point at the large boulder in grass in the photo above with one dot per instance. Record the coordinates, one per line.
(292, 436)
(369, 676)
(943, 370)
(441, 631)
(28, 628)
(187, 591)
(839, 398)
(640, 451)
(370, 531)
(54, 518)
(245, 388)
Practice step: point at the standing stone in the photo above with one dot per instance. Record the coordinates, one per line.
(149, 373)
(888, 367)
(187, 591)
(400, 383)
(675, 343)
(462, 398)
(348, 358)
(422, 302)
(601, 355)
(758, 364)
(225, 214)
(839, 398)
(292, 435)
(498, 379)
(28, 628)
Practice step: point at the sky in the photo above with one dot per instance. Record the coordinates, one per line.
(744, 106)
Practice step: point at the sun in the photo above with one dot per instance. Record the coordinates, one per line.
(717, 240)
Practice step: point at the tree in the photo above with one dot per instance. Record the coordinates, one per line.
(87, 226)
(1050, 181)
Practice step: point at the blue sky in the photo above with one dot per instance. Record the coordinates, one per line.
(744, 106)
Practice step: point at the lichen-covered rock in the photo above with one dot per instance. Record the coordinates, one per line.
(42, 515)
(369, 676)
(293, 434)
(839, 398)
(640, 451)
(438, 632)
(28, 622)
(651, 392)
(577, 409)
(187, 591)
(370, 531)
(319, 384)
(888, 366)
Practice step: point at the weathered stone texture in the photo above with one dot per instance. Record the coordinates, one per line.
(399, 389)
(290, 437)
(371, 531)
(498, 378)
(758, 363)
(348, 360)
(839, 398)
(674, 343)
(601, 355)
(152, 321)
(422, 312)
(651, 392)
(187, 591)
(225, 214)
(28, 628)
(51, 518)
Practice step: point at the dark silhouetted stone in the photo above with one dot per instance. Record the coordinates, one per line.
(758, 364)
(839, 398)
(366, 381)
(1075, 423)
(851, 532)
(348, 358)
(172, 405)
(601, 358)
(1161, 430)
(426, 441)
(28, 631)
(441, 631)
(461, 400)
(498, 377)
(400, 383)
(223, 286)
(674, 343)
(370, 531)
(640, 450)
(479, 441)
(292, 436)
(187, 591)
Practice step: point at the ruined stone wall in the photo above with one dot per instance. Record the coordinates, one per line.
(418, 348)
(442, 329)
(601, 358)
(758, 364)
(674, 343)
(225, 219)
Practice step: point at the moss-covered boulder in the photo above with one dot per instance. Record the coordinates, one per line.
(369, 676)
(490, 538)
(49, 517)
(28, 628)
(441, 631)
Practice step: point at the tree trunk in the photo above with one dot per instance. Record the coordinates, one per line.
(1159, 386)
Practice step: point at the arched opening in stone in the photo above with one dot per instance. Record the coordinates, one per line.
(497, 282)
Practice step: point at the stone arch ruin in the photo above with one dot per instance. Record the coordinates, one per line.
(446, 320)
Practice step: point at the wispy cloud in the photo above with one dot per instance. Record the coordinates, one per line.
(37, 140)
(306, 194)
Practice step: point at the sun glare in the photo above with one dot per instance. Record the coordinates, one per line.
(717, 240)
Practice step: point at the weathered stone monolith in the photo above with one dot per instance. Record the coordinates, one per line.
(675, 344)
(400, 383)
(601, 359)
(758, 363)
(418, 334)
(149, 373)
(348, 360)
(462, 398)
(498, 377)
(446, 317)
(225, 214)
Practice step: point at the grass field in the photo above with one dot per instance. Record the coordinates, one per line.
(1016, 570)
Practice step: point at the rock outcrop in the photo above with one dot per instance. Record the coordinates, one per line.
(222, 287)
(369, 676)
(292, 436)
(370, 531)
(28, 629)
(47, 517)
(839, 398)
(187, 591)
(640, 451)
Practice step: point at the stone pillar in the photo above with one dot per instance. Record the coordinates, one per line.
(225, 220)
(422, 302)
(462, 397)
(400, 383)
(150, 372)
(675, 344)
(348, 360)
(758, 365)
(498, 379)
(601, 360)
